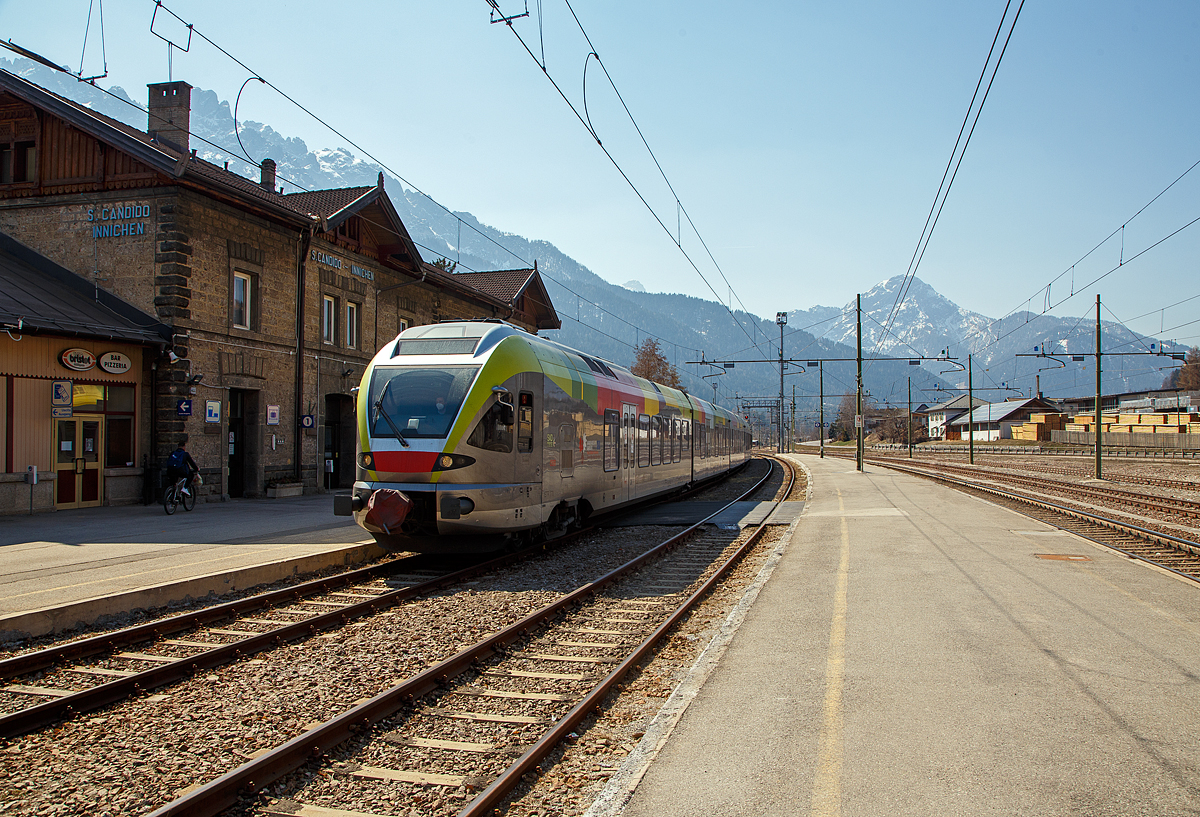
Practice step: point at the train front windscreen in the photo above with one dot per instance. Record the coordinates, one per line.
(417, 401)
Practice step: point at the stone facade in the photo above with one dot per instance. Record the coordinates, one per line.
(276, 303)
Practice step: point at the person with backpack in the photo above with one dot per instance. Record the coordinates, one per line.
(181, 465)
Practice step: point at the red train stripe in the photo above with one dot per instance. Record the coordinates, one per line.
(405, 462)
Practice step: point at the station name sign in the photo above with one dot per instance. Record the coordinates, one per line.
(337, 263)
(118, 221)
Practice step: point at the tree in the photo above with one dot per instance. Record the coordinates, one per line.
(445, 264)
(843, 427)
(1186, 377)
(652, 365)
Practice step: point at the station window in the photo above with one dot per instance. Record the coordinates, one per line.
(351, 325)
(329, 319)
(243, 300)
(117, 404)
(18, 162)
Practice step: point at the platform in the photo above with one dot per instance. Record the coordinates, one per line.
(917, 651)
(58, 570)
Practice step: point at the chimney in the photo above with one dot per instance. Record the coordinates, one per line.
(268, 175)
(170, 114)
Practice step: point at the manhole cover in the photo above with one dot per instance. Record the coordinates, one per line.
(1063, 557)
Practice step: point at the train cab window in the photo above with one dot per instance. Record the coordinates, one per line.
(656, 440)
(612, 440)
(525, 422)
(417, 401)
(493, 433)
(643, 441)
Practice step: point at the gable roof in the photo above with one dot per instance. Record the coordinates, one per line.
(510, 285)
(46, 298)
(959, 402)
(149, 151)
(999, 412)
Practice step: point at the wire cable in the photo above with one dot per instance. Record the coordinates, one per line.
(587, 125)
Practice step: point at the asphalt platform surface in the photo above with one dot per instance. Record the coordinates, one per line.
(58, 570)
(915, 653)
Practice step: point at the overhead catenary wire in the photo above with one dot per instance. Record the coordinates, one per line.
(255, 75)
(944, 187)
(612, 159)
(1071, 269)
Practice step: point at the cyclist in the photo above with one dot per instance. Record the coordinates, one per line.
(180, 465)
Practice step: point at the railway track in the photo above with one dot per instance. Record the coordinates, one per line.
(44, 686)
(1175, 554)
(1186, 508)
(1115, 475)
(467, 729)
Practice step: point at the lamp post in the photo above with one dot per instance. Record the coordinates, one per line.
(781, 319)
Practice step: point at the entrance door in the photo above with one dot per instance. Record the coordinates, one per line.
(77, 461)
(237, 442)
(629, 418)
(339, 441)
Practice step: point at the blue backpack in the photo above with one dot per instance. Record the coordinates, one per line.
(177, 459)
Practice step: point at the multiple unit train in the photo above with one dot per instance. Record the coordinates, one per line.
(473, 434)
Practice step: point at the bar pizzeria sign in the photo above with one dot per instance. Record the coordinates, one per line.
(81, 360)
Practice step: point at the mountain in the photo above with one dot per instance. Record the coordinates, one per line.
(927, 323)
(609, 321)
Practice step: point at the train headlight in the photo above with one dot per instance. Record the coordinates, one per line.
(366, 460)
(448, 462)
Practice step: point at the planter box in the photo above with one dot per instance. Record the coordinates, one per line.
(280, 491)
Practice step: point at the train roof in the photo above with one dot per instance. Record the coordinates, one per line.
(478, 337)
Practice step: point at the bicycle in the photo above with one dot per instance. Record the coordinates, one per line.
(182, 492)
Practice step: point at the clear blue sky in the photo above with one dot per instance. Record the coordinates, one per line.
(805, 140)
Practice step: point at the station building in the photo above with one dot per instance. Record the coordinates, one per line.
(243, 316)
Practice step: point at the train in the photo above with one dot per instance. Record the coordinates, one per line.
(477, 435)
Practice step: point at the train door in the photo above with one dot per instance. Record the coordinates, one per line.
(77, 462)
(529, 438)
(628, 450)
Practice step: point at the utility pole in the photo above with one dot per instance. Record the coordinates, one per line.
(1099, 416)
(859, 420)
(781, 319)
(821, 419)
(792, 427)
(910, 418)
(970, 410)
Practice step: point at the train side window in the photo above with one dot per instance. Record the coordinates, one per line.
(643, 440)
(492, 434)
(685, 438)
(656, 440)
(612, 440)
(676, 447)
(525, 422)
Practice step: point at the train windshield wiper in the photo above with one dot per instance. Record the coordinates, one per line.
(377, 410)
